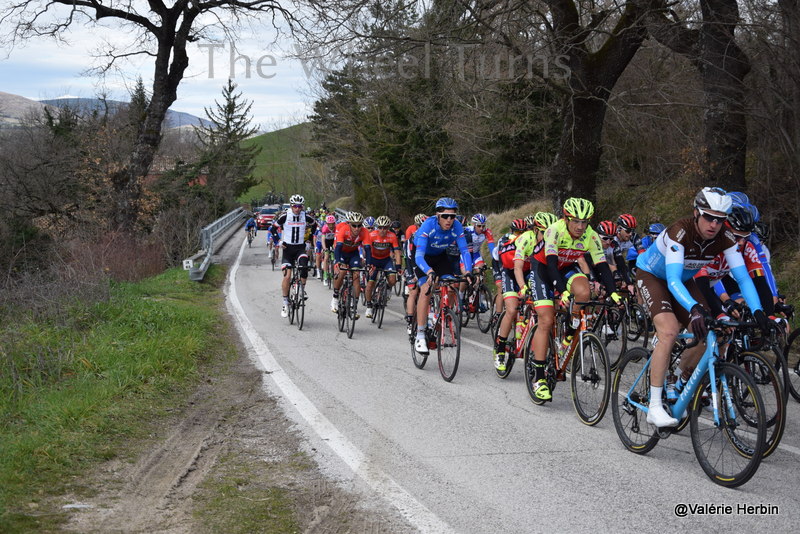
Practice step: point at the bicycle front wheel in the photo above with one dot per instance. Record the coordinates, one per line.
(631, 386)
(728, 450)
(638, 327)
(300, 302)
(448, 336)
(419, 359)
(484, 310)
(342, 314)
(591, 380)
(614, 333)
(352, 303)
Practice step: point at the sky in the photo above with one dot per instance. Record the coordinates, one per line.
(280, 87)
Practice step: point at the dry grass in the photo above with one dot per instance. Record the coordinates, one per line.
(500, 223)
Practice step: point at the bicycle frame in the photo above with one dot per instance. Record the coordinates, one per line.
(705, 365)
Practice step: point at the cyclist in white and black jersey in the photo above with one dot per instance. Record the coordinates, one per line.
(295, 226)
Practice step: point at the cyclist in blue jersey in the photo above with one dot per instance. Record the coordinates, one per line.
(431, 241)
(671, 294)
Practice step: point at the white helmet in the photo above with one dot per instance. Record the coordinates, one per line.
(297, 199)
(714, 199)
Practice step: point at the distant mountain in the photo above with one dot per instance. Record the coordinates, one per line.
(174, 119)
(13, 108)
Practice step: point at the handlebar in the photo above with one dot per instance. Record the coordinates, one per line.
(715, 324)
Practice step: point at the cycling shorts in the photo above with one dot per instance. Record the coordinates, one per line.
(657, 298)
(442, 265)
(509, 283)
(386, 264)
(294, 255)
(541, 285)
(352, 259)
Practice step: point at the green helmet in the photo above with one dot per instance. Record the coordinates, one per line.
(578, 208)
(543, 219)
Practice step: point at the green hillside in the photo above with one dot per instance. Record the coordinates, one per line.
(282, 168)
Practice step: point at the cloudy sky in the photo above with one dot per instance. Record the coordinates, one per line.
(280, 87)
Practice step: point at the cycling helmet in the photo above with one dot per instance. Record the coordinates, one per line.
(739, 198)
(419, 218)
(369, 222)
(761, 229)
(741, 220)
(460, 218)
(607, 228)
(714, 199)
(627, 221)
(518, 225)
(479, 218)
(383, 220)
(396, 225)
(543, 219)
(655, 228)
(446, 203)
(578, 208)
(530, 221)
(330, 219)
(355, 217)
(754, 211)
(297, 199)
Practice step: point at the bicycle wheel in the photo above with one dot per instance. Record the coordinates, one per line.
(300, 302)
(637, 322)
(292, 301)
(464, 313)
(778, 360)
(729, 451)
(613, 331)
(590, 380)
(530, 372)
(792, 356)
(274, 258)
(632, 385)
(483, 311)
(448, 337)
(342, 314)
(419, 359)
(768, 382)
(352, 303)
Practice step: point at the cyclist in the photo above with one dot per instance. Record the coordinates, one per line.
(514, 250)
(250, 225)
(328, 238)
(671, 294)
(294, 225)
(369, 223)
(652, 233)
(556, 264)
(431, 242)
(411, 289)
(273, 237)
(628, 238)
(350, 236)
(383, 252)
(614, 255)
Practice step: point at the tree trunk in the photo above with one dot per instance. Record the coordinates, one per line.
(723, 66)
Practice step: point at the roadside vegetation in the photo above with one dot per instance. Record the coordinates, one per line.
(78, 389)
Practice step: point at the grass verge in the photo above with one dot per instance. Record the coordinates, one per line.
(76, 393)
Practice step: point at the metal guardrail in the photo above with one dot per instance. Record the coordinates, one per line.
(340, 214)
(210, 241)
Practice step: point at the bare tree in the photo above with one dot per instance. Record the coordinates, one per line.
(156, 30)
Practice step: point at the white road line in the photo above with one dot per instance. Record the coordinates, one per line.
(413, 510)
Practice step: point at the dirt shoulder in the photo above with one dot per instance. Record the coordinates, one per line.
(227, 461)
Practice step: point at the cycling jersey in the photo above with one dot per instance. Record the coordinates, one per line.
(251, 223)
(348, 242)
(431, 240)
(381, 247)
(680, 252)
(295, 228)
(559, 242)
(764, 257)
(718, 268)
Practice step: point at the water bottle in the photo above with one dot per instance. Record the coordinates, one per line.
(672, 391)
(520, 328)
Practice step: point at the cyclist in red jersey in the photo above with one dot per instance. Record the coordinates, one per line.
(383, 252)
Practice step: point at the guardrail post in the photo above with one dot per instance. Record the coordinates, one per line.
(209, 240)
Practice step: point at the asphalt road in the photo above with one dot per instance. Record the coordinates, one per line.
(476, 455)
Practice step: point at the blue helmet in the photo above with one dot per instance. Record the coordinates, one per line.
(753, 211)
(446, 203)
(739, 198)
(369, 222)
(655, 228)
(479, 218)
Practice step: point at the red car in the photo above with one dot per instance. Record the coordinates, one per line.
(265, 217)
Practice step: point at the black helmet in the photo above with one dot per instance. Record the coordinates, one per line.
(395, 224)
(741, 220)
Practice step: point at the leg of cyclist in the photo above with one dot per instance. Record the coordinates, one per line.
(511, 303)
(541, 288)
(338, 278)
(302, 262)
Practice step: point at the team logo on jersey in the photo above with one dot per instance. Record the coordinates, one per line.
(680, 235)
(579, 245)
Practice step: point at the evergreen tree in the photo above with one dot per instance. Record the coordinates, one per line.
(226, 156)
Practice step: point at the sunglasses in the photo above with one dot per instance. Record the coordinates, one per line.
(580, 221)
(605, 238)
(297, 205)
(740, 237)
(383, 227)
(355, 225)
(447, 215)
(479, 226)
(713, 218)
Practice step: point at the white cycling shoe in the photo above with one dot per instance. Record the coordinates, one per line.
(421, 345)
(335, 305)
(284, 311)
(658, 416)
